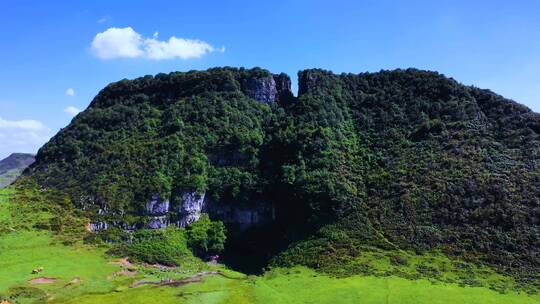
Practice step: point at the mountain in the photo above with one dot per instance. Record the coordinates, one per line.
(397, 160)
(12, 166)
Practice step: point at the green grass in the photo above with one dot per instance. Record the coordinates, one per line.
(22, 252)
(309, 287)
(5, 214)
(301, 285)
(24, 247)
(433, 266)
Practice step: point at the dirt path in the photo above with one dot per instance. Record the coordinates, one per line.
(124, 262)
(43, 280)
(175, 283)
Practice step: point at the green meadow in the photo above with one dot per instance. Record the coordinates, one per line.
(81, 273)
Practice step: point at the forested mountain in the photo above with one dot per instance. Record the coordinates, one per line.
(12, 166)
(402, 159)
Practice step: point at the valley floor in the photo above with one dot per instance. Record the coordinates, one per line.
(85, 274)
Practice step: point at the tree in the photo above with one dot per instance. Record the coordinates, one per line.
(206, 237)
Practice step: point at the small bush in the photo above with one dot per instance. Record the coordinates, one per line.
(165, 247)
(399, 260)
(26, 294)
(111, 235)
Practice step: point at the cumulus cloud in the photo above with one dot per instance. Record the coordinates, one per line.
(117, 42)
(25, 135)
(70, 92)
(71, 110)
(127, 43)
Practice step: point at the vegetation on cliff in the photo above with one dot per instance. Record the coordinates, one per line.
(398, 160)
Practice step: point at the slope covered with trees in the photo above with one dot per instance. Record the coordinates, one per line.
(399, 160)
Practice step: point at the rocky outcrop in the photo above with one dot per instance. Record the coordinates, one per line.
(243, 216)
(261, 89)
(313, 80)
(190, 208)
(161, 213)
(268, 89)
(158, 222)
(157, 206)
(158, 209)
(283, 87)
(97, 226)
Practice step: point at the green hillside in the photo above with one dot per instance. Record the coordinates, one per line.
(79, 273)
(396, 176)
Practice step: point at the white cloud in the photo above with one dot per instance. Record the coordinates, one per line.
(25, 125)
(70, 92)
(117, 42)
(71, 110)
(126, 43)
(25, 135)
(176, 48)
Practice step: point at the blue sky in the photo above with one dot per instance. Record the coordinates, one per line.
(56, 55)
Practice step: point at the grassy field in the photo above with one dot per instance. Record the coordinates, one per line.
(22, 252)
(300, 285)
(85, 274)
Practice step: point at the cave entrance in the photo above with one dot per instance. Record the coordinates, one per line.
(249, 251)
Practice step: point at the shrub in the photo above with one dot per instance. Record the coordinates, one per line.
(206, 237)
(399, 260)
(165, 247)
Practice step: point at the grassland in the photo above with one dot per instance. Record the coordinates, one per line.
(301, 285)
(85, 274)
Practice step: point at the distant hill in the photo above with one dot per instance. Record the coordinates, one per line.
(12, 166)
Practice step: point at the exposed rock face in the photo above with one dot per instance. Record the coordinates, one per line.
(244, 217)
(97, 226)
(283, 87)
(126, 226)
(157, 206)
(158, 209)
(191, 208)
(193, 205)
(158, 222)
(268, 89)
(310, 80)
(261, 89)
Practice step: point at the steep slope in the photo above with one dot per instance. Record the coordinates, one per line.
(444, 166)
(402, 159)
(12, 166)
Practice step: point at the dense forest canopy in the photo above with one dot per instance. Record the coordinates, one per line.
(401, 159)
